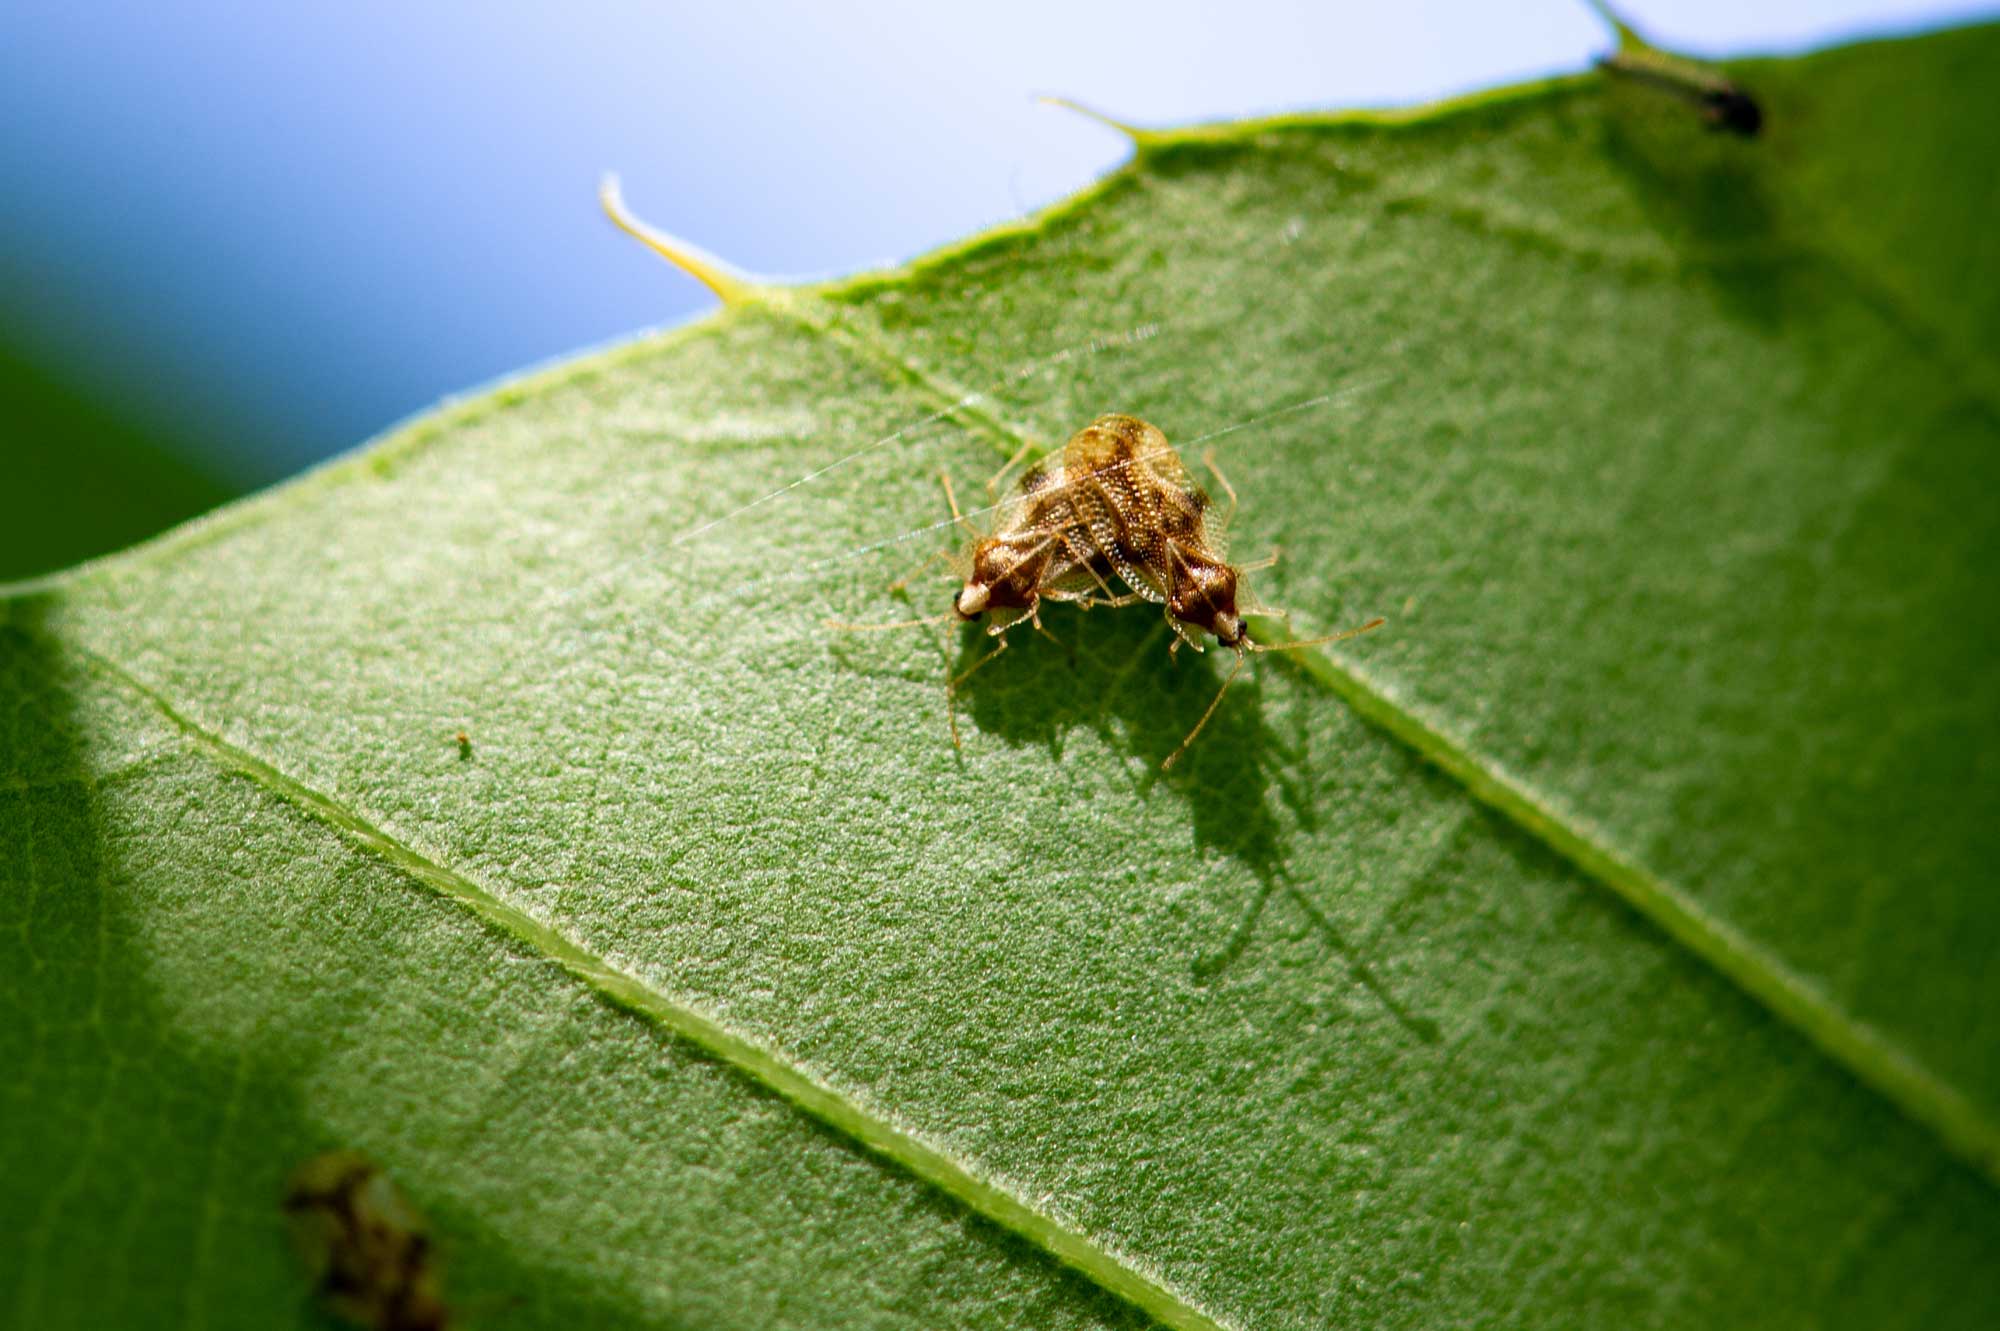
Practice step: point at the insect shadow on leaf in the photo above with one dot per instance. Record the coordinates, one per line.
(1247, 790)
(1113, 521)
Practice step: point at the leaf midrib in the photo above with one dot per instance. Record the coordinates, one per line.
(1865, 1050)
(1116, 1274)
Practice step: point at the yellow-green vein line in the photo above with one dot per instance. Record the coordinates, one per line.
(1865, 1051)
(1860, 1047)
(1111, 1272)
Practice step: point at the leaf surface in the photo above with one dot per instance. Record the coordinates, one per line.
(1606, 942)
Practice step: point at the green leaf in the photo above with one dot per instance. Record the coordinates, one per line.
(1608, 941)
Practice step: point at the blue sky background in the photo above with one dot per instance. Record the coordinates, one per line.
(274, 230)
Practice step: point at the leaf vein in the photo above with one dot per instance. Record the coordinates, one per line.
(1111, 1271)
(1864, 1050)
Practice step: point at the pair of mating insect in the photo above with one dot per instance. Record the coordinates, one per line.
(1116, 509)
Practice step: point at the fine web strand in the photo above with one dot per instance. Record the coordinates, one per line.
(810, 570)
(1095, 346)
(1172, 449)
(1322, 400)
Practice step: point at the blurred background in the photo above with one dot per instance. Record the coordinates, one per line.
(237, 240)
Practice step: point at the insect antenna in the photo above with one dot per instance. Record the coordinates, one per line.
(1320, 641)
(1242, 655)
(950, 684)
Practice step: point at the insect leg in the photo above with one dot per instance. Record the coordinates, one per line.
(934, 557)
(1085, 599)
(1035, 622)
(1083, 560)
(1015, 459)
(951, 687)
(951, 497)
(1182, 634)
(972, 669)
(1208, 460)
(1236, 670)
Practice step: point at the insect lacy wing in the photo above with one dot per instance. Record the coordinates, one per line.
(1035, 503)
(1097, 469)
(1177, 489)
(1119, 529)
(1213, 528)
(1162, 465)
(1217, 533)
(1045, 511)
